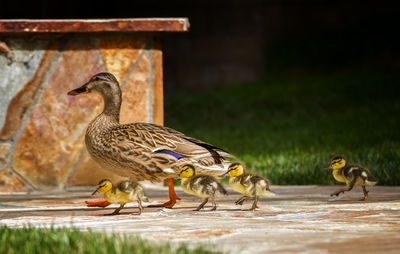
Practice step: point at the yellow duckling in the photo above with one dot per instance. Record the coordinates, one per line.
(351, 174)
(122, 193)
(252, 186)
(203, 186)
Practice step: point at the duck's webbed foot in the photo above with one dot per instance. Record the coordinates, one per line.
(172, 196)
(98, 203)
(336, 193)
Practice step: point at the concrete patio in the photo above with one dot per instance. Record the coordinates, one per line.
(300, 219)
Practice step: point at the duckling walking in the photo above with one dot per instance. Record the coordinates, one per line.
(252, 186)
(203, 186)
(351, 174)
(122, 193)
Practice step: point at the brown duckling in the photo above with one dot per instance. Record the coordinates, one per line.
(352, 175)
(252, 186)
(203, 186)
(122, 193)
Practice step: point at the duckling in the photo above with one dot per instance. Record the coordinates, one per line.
(203, 186)
(122, 193)
(252, 186)
(351, 174)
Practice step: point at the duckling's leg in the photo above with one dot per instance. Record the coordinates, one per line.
(118, 209)
(244, 199)
(139, 202)
(214, 205)
(254, 206)
(202, 205)
(172, 195)
(240, 200)
(365, 193)
(349, 188)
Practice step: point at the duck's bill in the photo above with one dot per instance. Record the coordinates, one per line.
(94, 192)
(225, 174)
(79, 90)
(328, 167)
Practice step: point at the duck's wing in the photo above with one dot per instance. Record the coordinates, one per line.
(159, 150)
(161, 139)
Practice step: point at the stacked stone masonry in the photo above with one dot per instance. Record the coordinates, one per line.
(42, 129)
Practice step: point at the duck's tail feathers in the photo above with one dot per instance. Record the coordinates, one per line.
(216, 152)
(371, 180)
(269, 193)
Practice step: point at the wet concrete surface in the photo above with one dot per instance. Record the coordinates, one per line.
(300, 219)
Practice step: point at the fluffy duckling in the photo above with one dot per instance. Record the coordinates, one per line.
(351, 174)
(203, 186)
(122, 193)
(252, 186)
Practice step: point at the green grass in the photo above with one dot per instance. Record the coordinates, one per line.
(288, 129)
(64, 240)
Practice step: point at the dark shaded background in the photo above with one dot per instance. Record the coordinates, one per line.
(247, 40)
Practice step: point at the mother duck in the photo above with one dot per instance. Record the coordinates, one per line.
(143, 151)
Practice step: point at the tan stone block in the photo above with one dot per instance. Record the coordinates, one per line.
(52, 140)
(19, 104)
(135, 94)
(89, 172)
(120, 53)
(9, 182)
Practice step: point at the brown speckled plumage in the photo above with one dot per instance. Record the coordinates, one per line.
(131, 150)
(203, 186)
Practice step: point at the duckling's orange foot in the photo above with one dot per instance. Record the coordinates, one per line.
(98, 203)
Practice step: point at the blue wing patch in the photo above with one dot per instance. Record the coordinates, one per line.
(169, 152)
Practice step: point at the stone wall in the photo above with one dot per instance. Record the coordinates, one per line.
(42, 129)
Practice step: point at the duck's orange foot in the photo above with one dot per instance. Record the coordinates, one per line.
(172, 196)
(168, 204)
(99, 202)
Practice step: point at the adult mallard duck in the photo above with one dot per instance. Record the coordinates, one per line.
(351, 174)
(143, 151)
